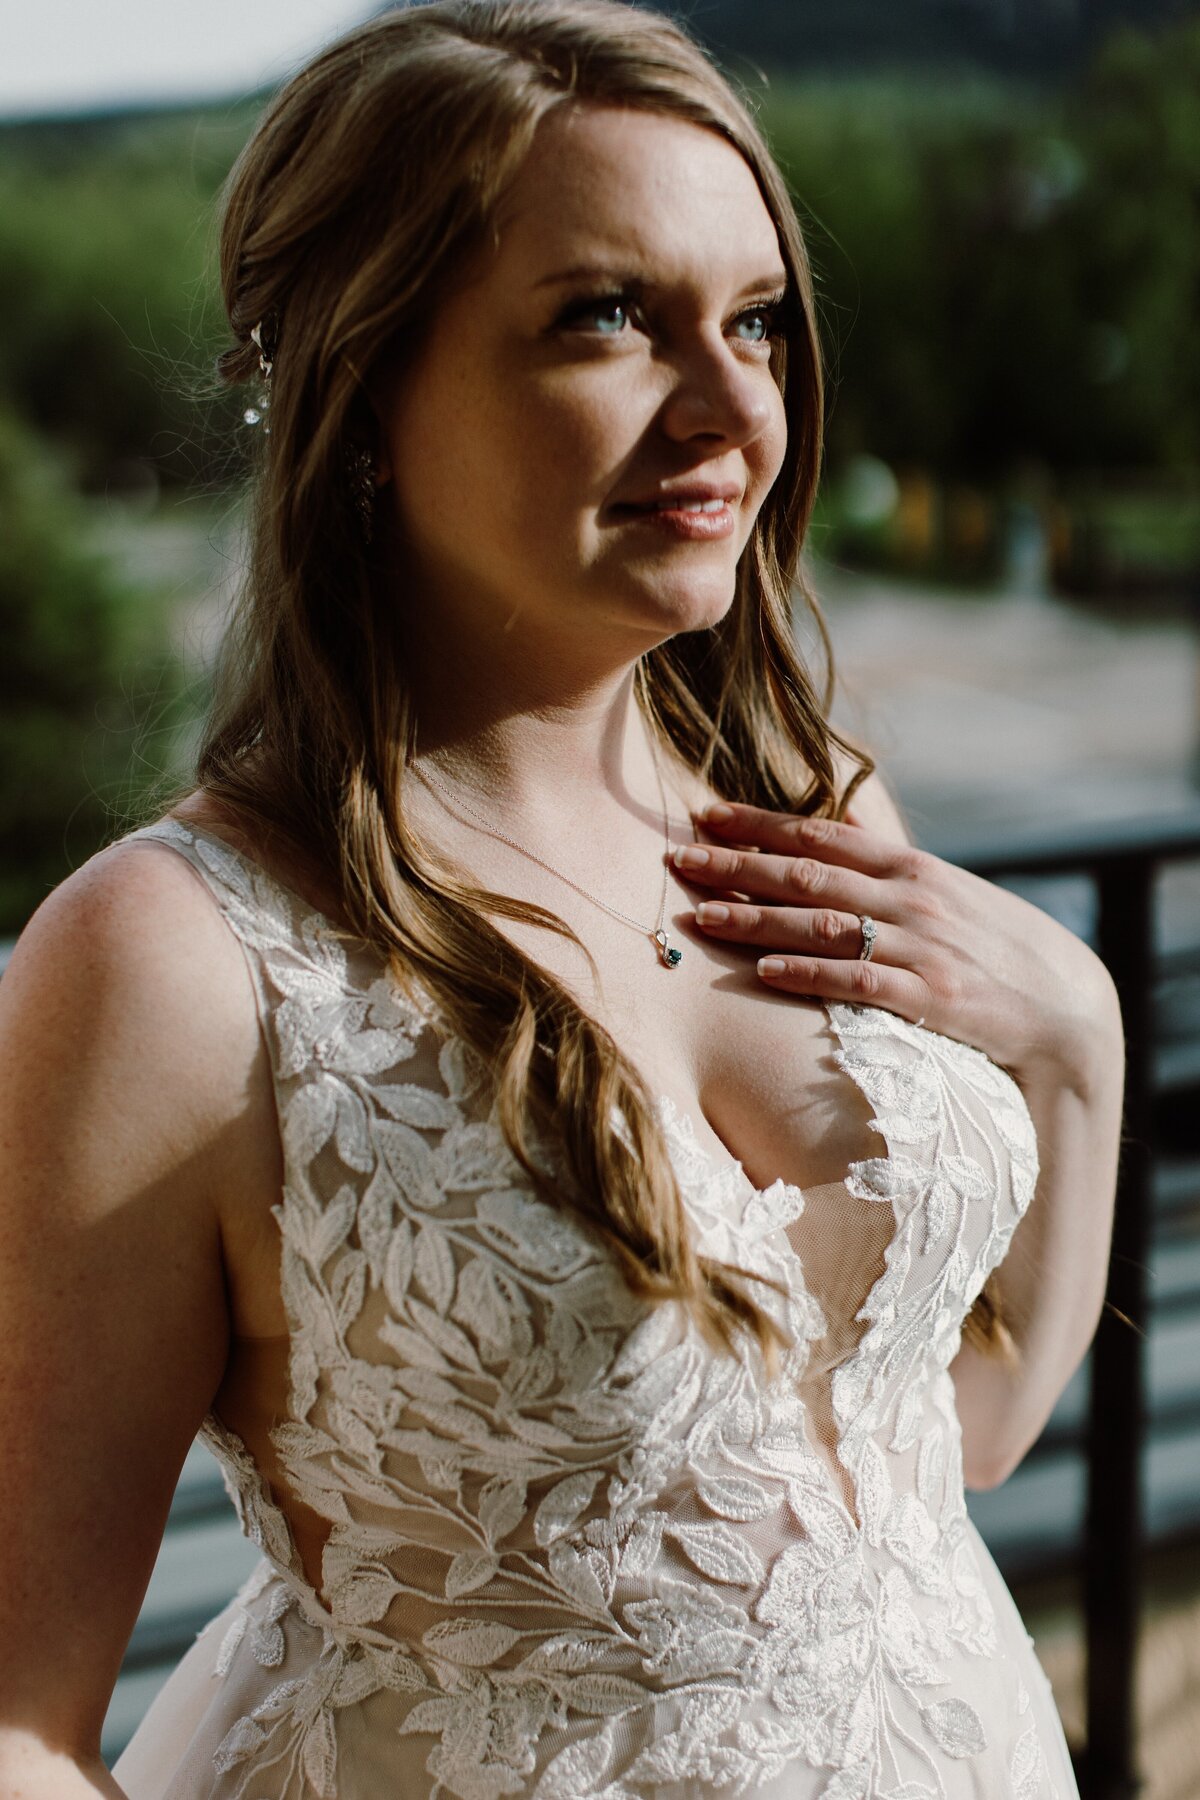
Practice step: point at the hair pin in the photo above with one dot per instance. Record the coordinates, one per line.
(255, 415)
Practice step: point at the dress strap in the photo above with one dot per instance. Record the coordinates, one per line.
(315, 982)
(260, 910)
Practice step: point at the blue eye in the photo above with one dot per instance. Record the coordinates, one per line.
(609, 315)
(762, 321)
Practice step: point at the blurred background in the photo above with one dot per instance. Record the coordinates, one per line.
(1002, 200)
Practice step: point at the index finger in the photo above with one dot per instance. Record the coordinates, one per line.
(794, 834)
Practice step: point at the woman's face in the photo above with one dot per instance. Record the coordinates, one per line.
(593, 420)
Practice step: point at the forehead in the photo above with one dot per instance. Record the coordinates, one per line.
(638, 191)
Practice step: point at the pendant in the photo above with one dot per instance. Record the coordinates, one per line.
(669, 956)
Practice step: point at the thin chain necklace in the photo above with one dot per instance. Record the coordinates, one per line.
(669, 955)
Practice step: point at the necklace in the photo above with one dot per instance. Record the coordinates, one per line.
(669, 955)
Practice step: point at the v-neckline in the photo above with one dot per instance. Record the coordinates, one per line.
(665, 1103)
(681, 1125)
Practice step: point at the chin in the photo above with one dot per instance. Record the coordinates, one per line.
(669, 607)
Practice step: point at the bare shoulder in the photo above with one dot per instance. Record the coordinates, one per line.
(130, 950)
(128, 1046)
(128, 1008)
(124, 899)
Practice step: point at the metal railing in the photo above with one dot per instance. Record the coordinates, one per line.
(1123, 860)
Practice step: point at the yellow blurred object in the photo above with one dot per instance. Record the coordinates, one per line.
(969, 523)
(914, 523)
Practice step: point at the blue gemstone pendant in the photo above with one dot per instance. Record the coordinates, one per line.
(669, 956)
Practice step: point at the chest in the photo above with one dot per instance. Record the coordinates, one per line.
(752, 1072)
(757, 1077)
(755, 1071)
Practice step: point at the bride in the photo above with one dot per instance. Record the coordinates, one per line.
(528, 1105)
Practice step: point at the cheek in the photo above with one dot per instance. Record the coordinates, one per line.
(768, 455)
(556, 456)
(453, 461)
(578, 430)
(542, 446)
(764, 460)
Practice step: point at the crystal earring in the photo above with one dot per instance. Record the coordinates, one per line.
(257, 415)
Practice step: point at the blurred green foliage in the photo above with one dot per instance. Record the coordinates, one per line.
(1007, 274)
(1004, 272)
(108, 293)
(1007, 279)
(90, 693)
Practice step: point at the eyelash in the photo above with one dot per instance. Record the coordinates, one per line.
(770, 309)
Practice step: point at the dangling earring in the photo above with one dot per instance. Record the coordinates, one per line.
(360, 475)
(257, 415)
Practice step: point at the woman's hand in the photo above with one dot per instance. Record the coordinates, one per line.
(952, 951)
(979, 964)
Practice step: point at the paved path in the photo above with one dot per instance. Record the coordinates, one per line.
(999, 709)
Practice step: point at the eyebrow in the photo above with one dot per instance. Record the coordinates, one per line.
(632, 280)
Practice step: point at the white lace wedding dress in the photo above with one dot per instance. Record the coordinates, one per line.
(573, 1553)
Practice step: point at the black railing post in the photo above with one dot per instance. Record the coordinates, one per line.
(1116, 1421)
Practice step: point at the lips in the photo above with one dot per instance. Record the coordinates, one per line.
(694, 514)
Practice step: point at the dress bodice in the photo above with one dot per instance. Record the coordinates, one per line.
(572, 1549)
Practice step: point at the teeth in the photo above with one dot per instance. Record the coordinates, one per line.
(691, 506)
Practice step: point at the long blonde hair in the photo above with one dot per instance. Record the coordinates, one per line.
(372, 176)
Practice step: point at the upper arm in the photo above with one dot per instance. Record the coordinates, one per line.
(124, 1041)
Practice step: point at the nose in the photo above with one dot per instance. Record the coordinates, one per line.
(719, 396)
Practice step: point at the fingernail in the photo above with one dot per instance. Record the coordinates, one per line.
(711, 912)
(717, 813)
(691, 856)
(772, 965)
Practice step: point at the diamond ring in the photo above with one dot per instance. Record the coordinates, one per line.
(870, 931)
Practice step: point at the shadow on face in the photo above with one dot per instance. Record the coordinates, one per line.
(581, 448)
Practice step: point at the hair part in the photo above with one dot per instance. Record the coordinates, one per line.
(371, 179)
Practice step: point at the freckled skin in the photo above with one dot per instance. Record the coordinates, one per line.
(509, 441)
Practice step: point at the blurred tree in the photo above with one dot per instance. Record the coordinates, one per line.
(1007, 276)
(108, 293)
(1007, 273)
(1037, 39)
(894, 181)
(1137, 241)
(1070, 307)
(90, 694)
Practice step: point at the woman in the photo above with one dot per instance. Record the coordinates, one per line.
(574, 1300)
